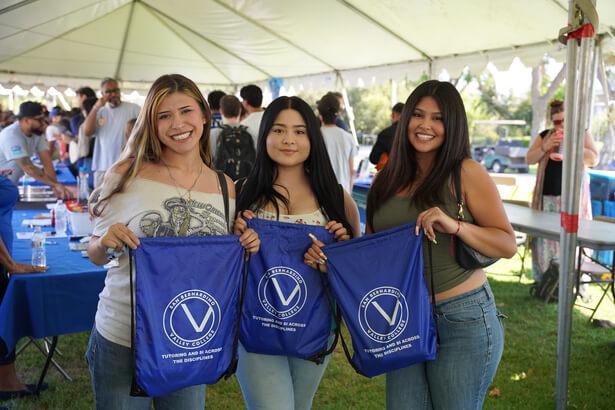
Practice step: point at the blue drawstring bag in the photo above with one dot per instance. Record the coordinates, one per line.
(377, 282)
(186, 311)
(286, 311)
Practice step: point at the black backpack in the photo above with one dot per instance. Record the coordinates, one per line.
(235, 152)
(547, 288)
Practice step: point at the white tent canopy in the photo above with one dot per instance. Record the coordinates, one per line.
(229, 42)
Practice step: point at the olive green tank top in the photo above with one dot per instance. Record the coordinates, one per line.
(447, 272)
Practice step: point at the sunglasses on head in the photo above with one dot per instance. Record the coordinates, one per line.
(558, 122)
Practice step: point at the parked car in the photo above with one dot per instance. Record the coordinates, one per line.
(479, 152)
(508, 153)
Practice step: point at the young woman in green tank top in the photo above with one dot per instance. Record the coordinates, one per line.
(416, 184)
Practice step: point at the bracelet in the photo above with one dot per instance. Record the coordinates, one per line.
(111, 253)
(458, 227)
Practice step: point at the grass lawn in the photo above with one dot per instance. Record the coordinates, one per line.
(525, 378)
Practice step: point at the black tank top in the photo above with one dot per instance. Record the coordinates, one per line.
(553, 175)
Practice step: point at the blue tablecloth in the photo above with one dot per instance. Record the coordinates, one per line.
(59, 301)
(65, 177)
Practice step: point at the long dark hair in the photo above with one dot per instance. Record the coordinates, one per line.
(258, 191)
(401, 169)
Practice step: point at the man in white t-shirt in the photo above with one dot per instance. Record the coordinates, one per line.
(252, 99)
(53, 132)
(341, 145)
(106, 122)
(23, 139)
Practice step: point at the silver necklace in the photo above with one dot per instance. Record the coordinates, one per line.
(177, 185)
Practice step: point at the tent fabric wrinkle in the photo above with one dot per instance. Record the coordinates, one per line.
(226, 43)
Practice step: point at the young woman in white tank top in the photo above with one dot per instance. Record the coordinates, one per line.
(292, 181)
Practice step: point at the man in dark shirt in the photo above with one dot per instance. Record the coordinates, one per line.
(213, 99)
(385, 139)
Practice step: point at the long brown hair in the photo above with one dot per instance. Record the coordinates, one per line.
(145, 146)
(401, 170)
(555, 106)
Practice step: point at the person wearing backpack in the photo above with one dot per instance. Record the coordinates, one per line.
(293, 182)
(233, 146)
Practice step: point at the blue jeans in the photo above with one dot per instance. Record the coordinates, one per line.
(278, 382)
(471, 345)
(111, 369)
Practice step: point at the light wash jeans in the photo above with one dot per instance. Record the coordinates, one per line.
(278, 382)
(471, 345)
(111, 372)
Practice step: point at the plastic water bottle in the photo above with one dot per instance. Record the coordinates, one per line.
(60, 216)
(84, 187)
(39, 257)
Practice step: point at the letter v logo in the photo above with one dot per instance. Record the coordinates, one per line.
(390, 320)
(285, 301)
(198, 328)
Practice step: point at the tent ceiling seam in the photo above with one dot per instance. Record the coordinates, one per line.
(202, 37)
(29, 29)
(557, 3)
(16, 6)
(190, 45)
(61, 35)
(124, 40)
(372, 20)
(146, 83)
(274, 34)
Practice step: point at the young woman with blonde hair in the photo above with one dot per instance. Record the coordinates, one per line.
(165, 187)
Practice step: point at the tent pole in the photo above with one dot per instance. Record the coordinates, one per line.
(607, 98)
(576, 111)
(393, 92)
(349, 111)
(592, 81)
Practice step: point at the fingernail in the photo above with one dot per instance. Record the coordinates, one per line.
(416, 231)
(434, 241)
(322, 255)
(312, 236)
(321, 261)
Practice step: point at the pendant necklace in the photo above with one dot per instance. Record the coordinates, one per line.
(177, 185)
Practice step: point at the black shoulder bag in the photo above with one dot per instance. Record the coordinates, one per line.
(466, 256)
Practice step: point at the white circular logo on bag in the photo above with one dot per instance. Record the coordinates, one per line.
(383, 314)
(282, 292)
(191, 319)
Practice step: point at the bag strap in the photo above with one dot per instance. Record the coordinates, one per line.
(135, 389)
(337, 316)
(458, 193)
(232, 368)
(225, 197)
(433, 292)
(319, 357)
